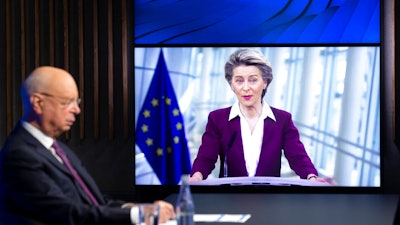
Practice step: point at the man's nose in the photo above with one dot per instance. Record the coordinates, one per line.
(76, 109)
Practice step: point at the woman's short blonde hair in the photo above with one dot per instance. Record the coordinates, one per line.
(249, 57)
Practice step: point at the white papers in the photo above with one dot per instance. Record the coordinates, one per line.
(232, 218)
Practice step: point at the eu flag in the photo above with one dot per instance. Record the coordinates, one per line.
(160, 132)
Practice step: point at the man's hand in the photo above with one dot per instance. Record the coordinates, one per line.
(167, 211)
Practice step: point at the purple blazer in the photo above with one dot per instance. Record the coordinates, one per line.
(278, 135)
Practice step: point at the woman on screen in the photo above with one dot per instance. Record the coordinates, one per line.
(250, 135)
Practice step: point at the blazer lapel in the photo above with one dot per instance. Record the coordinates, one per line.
(40, 149)
(90, 183)
(85, 176)
(268, 131)
(236, 154)
(48, 156)
(45, 153)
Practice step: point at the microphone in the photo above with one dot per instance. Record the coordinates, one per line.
(230, 143)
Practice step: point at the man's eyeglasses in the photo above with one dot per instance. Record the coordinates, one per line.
(64, 103)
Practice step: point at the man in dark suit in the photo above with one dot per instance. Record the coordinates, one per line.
(36, 185)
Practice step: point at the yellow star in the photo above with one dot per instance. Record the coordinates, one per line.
(179, 126)
(146, 113)
(149, 142)
(145, 128)
(159, 151)
(169, 150)
(176, 140)
(175, 112)
(167, 101)
(154, 102)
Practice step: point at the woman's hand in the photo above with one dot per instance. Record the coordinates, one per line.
(330, 181)
(196, 177)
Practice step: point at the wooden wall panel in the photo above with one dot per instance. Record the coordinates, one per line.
(66, 35)
(36, 33)
(92, 40)
(51, 33)
(59, 33)
(22, 40)
(9, 72)
(124, 56)
(81, 69)
(96, 82)
(110, 70)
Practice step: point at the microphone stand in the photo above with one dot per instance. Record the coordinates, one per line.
(226, 153)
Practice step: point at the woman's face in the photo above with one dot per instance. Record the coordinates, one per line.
(248, 85)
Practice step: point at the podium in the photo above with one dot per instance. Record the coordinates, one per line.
(268, 181)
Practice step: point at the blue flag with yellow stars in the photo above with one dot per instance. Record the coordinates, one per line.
(160, 133)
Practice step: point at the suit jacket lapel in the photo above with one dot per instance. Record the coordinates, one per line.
(268, 131)
(238, 161)
(48, 156)
(90, 183)
(40, 149)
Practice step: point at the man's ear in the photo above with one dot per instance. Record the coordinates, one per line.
(36, 103)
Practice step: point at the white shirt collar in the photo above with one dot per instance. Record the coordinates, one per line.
(45, 140)
(266, 111)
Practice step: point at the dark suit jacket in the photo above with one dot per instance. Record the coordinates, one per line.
(278, 135)
(35, 188)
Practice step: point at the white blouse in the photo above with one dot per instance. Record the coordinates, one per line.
(252, 142)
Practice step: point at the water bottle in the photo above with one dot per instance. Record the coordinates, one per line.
(184, 204)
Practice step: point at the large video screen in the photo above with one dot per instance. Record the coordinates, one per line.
(326, 64)
(331, 92)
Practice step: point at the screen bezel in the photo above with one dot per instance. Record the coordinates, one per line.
(162, 189)
(264, 188)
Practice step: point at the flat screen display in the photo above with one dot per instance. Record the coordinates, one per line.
(326, 64)
(333, 94)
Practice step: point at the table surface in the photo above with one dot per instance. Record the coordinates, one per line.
(309, 209)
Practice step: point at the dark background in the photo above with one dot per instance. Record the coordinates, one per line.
(93, 39)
